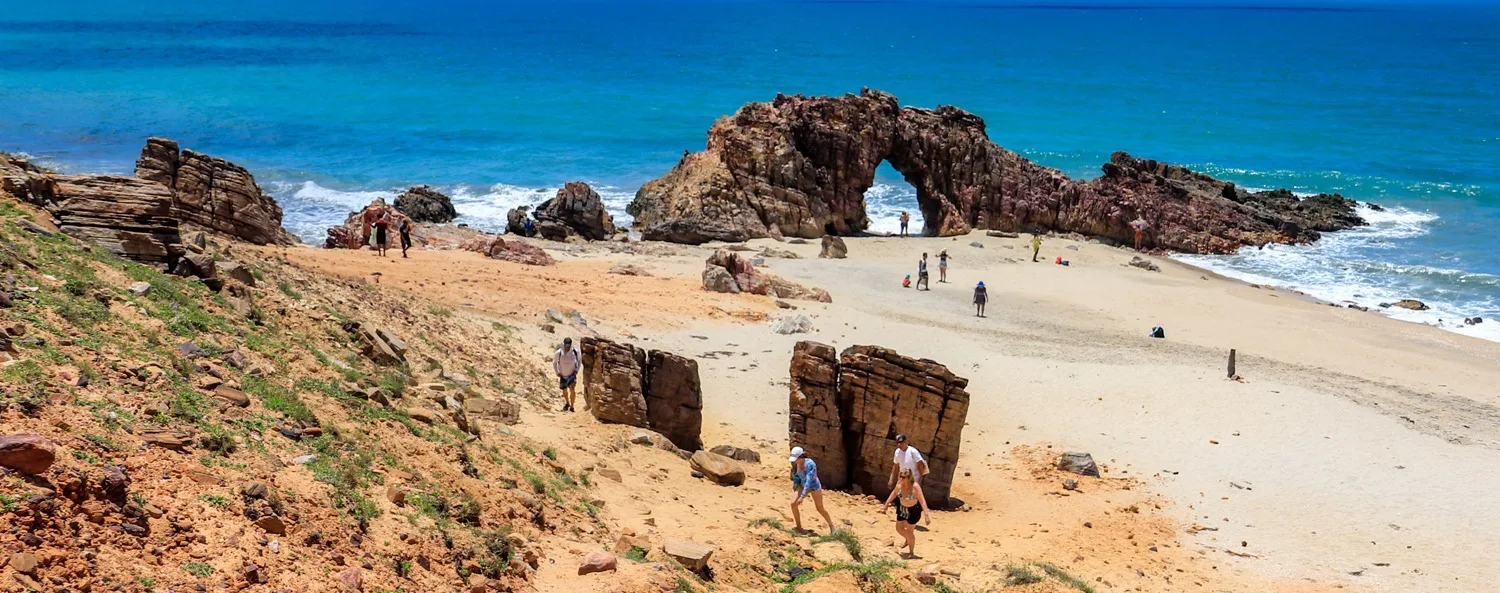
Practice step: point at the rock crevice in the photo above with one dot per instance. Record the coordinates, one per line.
(846, 411)
(626, 384)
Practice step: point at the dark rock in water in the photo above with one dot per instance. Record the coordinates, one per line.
(577, 209)
(424, 204)
(1412, 304)
(1078, 463)
(799, 166)
(833, 248)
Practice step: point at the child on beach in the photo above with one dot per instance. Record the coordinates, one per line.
(943, 266)
(922, 282)
(805, 482)
(981, 294)
(906, 282)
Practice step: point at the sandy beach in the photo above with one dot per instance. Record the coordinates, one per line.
(1352, 453)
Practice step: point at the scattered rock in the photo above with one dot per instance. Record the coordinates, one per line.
(597, 561)
(351, 579)
(237, 271)
(140, 288)
(500, 410)
(305, 459)
(928, 575)
(737, 453)
(718, 468)
(793, 324)
(609, 473)
(175, 440)
(253, 573)
(271, 524)
(833, 248)
(190, 350)
(831, 552)
(691, 555)
(1144, 264)
(395, 494)
(254, 490)
(27, 453)
(976, 244)
(625, 269)
(232, 396)
(1070, 484)
(1002, 234)
(23, 562)
(1078, 463)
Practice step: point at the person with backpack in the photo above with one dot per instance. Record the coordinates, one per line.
(566, 362)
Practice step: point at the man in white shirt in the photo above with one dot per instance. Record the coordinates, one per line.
(566, 362)
(907, 458)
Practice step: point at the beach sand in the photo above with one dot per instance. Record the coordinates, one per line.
(1352, 454)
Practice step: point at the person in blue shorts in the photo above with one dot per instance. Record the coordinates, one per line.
(805, 483)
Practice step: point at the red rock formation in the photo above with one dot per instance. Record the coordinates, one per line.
(624, 384)
(213, 194)
(513, 250)
(799, 166)
(846, 414)
(359, 226)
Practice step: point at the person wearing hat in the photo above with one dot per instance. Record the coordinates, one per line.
(907, 458)
(566, 362)
(805, 482)
(981, 294)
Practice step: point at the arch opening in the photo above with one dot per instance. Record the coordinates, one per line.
(887, 197)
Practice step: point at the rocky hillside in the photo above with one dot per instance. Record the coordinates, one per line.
(331, 436)
(799, 166)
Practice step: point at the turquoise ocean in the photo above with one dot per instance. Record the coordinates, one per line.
(334, 103)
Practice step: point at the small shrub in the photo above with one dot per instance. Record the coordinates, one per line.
(846, 537)
(636, 554)
(214, 500)
(1020, 575)
(198, 569)
(550, 453)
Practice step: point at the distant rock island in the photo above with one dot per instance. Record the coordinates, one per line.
(799, 166)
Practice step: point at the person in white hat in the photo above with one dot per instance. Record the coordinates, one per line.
(805, 482)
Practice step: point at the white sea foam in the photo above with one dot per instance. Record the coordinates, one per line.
(1345, 268)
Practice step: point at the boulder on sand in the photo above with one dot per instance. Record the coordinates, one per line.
(1412, 304)
(691, 555)
(625, 384)
(1078, 463)
(718, 468)
(597, 561)
(727, 271)
(833, 248)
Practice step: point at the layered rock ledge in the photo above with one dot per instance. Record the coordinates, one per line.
(799, 166)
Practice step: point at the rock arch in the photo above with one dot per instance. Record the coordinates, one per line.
(799, 166)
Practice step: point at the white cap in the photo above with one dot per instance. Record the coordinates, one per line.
(796, 454)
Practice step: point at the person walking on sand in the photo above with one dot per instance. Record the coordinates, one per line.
(1036, 246)
(907, 459)
(981, 295)
(922, 281)
(404, 229)
(805, 483)
(566, 362)
(912, 508)
(943, 266)
(905, 220)
(382, 223)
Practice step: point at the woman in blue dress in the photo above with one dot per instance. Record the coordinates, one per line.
(805, 483)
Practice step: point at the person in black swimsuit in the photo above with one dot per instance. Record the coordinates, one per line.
(405, 230)
(912, 508)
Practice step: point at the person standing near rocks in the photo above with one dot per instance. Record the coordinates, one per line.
(805, 482)
(943, 266)
(912, 508)
(404, 229)
(907, 458)
(981, 295)
(905, 220)
(382, 223)
(566, 362)
(1036, 246)
(922, 280)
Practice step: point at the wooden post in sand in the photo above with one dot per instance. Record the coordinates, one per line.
(1231, 363)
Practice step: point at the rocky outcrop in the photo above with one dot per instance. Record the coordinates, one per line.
(515, 222)
(726, 271)
(27, 453)
(624, 384)
(213, 194)
(799, 166)
(576, 210)
(833, 248)
(144, 217)
(424, 204)
(846, 415)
